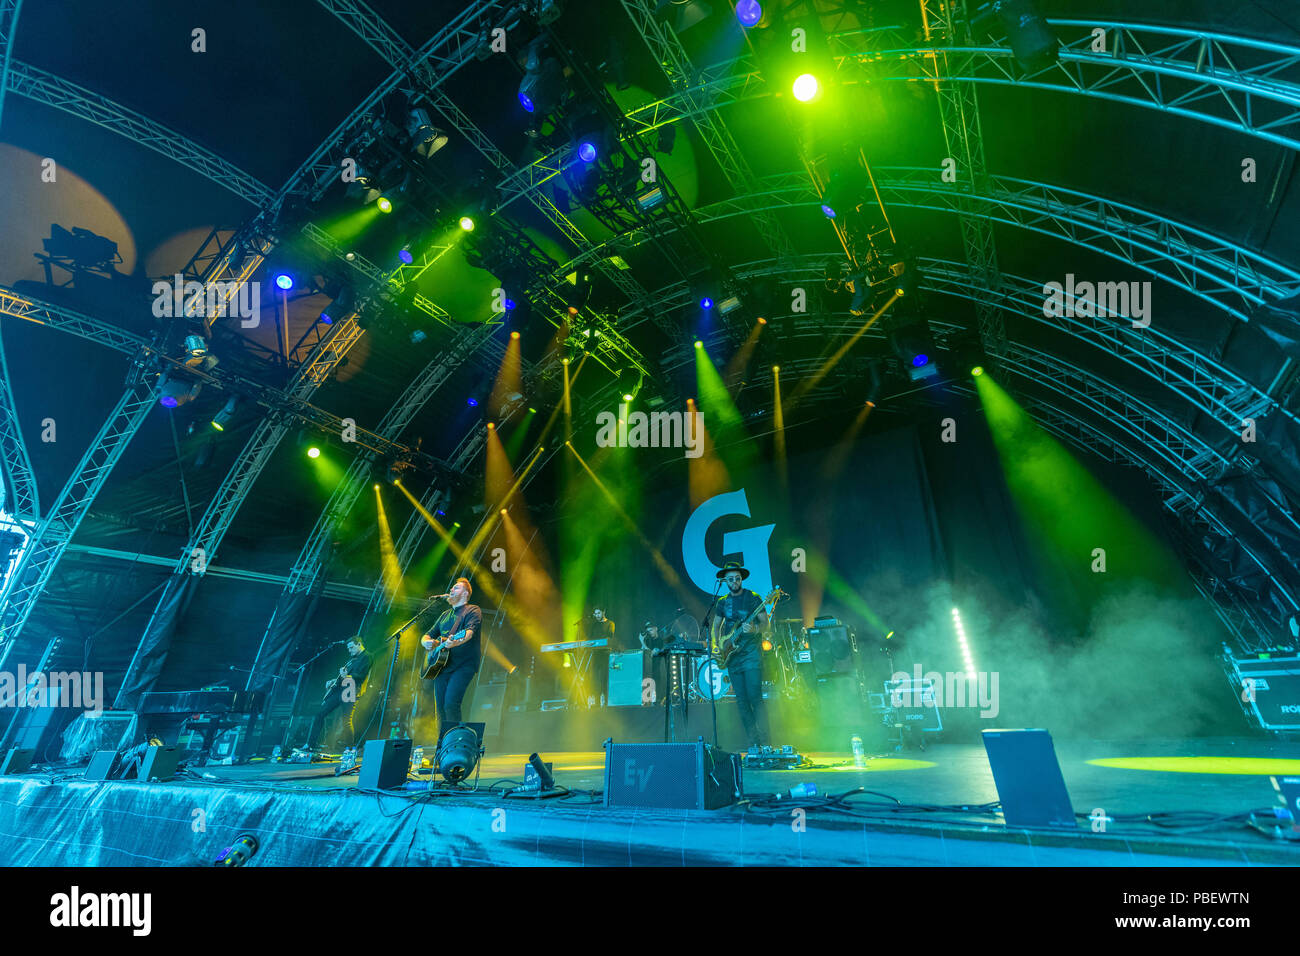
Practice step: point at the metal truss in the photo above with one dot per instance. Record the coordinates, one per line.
(416, 395)
(388, 44)
(1177, 445)
(43, 87)
(26, 504)
(1179, 500)
(1217, 392)
(963, 134)
(51, 537)
(9, 10)
(1231, 82)
(1225, 274)
(309, 376)
(667, 49)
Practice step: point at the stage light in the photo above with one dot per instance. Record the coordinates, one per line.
(511, 305)
(573, 310)
(827, 211)
(223, 417)
(284, 281)
(587, 152)
(385, 204)
(706, 303)
(491, 427)
(749, 12)
(762, 321)
(426, 139)
(172, 393)
(376, 486)
(503, 512)
(767, 645)
(458, 754)
(195, 345)
(776, 368)
(652, 196)
(467, 223)
(543, 774)
(728, 305)
(341, 307)
(405, 256)
(629, 384)
(919, 360)
(314, 452)
(805, 88)
(472, 402)
(699, 344)
(977, 370)
(682, 14)
(542, 86)
(565, 360)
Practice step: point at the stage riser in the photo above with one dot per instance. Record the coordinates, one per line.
(127, 824)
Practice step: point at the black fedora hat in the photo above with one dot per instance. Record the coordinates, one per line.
(733, 566)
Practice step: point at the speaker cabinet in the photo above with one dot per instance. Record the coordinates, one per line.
(159, 764)
(104, 765)
(671, 776)
(384, 764)
(18, 760)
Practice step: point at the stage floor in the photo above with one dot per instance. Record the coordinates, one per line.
(307, 816)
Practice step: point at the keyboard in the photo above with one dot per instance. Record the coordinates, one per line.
(683, 647)
(575, 645)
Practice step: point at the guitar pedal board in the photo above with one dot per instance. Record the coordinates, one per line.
(771, 758)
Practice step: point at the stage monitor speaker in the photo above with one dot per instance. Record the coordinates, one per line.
(18, 760)
(104, 765)
(159, 764)
(1028, 778)
(384, 764)
(671, 776)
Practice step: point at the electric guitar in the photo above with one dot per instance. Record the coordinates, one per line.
(437, 658)
(730, 642)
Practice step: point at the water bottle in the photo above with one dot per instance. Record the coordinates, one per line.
(859, 755)
(417, 759)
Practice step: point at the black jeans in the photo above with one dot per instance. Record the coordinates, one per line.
(449, 693)
(747, 681)
(333, 703)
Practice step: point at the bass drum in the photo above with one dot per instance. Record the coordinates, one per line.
(711, 682)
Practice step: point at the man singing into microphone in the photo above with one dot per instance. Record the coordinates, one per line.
(450, 685)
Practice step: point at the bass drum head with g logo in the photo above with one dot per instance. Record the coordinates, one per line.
(712, 682)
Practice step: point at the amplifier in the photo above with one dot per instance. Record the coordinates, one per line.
(1267, 687)
(105, 765)
(671, 776)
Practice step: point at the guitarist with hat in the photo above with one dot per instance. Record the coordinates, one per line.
(457, 630)
(734, 619)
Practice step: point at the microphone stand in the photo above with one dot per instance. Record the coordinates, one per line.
(396, 640)
(713, 694)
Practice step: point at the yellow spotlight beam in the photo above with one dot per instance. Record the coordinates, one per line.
(834, 360)
(778, 438)
(390, 569)
(665, 569)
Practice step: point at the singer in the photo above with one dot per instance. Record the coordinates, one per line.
(458, 627)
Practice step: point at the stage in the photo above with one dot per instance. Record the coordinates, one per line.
(1202, 791)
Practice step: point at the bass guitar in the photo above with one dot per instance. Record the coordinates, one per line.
(730, 642)
(437, 658)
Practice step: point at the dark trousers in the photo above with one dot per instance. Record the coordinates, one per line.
(747, 681)
(449, 693)
(334, 702)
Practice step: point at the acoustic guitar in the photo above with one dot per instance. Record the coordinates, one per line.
(436, 660)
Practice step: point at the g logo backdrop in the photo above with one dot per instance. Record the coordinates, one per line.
(750, 544)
